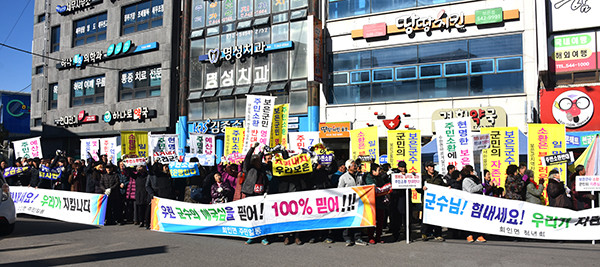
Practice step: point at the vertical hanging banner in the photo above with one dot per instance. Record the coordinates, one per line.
(364, 142)
(234, 140)
(455, 145)
(259, 115)
(279, 129)
(405, 145)
(60, 205)
(544, 140)
(108, 147)
(164, 147)
(134, 144)
(28, 148)
(503, 151)
(90, 147)
(203, 146)
(300, 140)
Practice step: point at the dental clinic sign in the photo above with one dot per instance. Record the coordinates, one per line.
(239, 51)
(75, 5)
(113, 51)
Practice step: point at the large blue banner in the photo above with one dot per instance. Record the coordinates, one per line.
(15, 113)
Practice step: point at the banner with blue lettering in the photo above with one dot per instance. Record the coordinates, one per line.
(491, 215)
(270, 214)
(75, 207)
(183, 169)
(50, 174)
(10, 171)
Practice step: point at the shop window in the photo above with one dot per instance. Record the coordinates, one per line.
(444, 87)
(142, 16)
(53, 97)
(140, 83)
(351, 61)
(90, 29)
(87, 91)
(195, 110)
(55, 39)
(509, 64)
(505, 45)
(445, 51)
(358, 77)
(430, 71)
(455, 69)
(494, 84)
(406, 73)
(394, 56)
(482, 66)
(351, 94)
(394, 91)
(383, 75)
(340, 78)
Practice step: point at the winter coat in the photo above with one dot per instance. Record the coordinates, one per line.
(534, 195)
(378, 181)
(347, 180)
(557, 195)
(110, 181)
(254, 177)
(141, 195)
(514, 188)
(159, 185)
(335, 179)
(227, 178)
(124, 179)
(76, 179)
(221, 197)
(472, 184)
(93, 182)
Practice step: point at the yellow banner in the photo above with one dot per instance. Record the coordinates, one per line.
(503, 151)
(415, 197)
(546, 139)
(134, 144)
(364, 142)
(405, 145)
(234, 140)
(298, 164)
(279, 127)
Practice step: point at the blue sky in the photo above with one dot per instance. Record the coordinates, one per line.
(15, 66)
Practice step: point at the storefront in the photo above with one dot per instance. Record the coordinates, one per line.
(259, 47)
(405, 69)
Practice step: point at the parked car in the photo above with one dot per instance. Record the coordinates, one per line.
(8, 215)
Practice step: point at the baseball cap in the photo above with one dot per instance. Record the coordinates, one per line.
(429, 163)
(402, 164)
(348, 163)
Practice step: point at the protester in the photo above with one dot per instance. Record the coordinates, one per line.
(558, 194)
(431, 176)
(451, 168)
(255, 181)
(335, 178)
(351, 236)
(76, 177)
(581, 200)
(142, 200)
(534, 190)
(221, 191)
(375, 178)
(127, 188)
(109, 183)
(514, 184)
(193, 190)
(397, 206)
(472, 184)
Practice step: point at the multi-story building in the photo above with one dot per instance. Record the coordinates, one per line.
(429, 60)
(107, 66)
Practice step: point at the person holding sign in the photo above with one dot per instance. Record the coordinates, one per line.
(534, 190)
(472, 184)
(375, 178)
(581, 200)
(558, 194)
(220, 191)
(431, 176)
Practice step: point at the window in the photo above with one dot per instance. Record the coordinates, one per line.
(262, 7)
(245, 9)
(87, 91)
(196, 66)
(89, 30)
(347, 8)
(53, 97)
(280, 6)
(41, 18)
(37, 122)
(39, 69)
(140, 83)
(195, 111)
(55, 39)
(213, 12)
(142, 16)
(198, 13)
(229, 11)
(437, 70)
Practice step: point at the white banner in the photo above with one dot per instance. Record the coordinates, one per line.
(133, 162)
(587, 183)
(270, 214)
(491, 215)
(108, 147)
(202, 144)
(60, 205)
(204, 160)
(28, 148)
(455, 144)
(406, 181)
(163, 147)
(90, 146)
(259, 116)
(300, 140)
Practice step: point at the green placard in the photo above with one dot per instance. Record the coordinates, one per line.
(488, 16)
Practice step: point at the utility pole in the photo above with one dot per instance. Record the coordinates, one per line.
(184, 74)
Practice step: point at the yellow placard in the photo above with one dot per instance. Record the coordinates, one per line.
(415, 197)
(503, 151)
(134, 144)
(405, 145)
(279, 127)
(299, 164)
(234, 140)
(544, 140)
(364, 142)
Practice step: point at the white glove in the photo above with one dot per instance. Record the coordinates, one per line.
(107, 192)
(219, 189)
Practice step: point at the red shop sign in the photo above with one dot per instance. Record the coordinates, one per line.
(573, 107)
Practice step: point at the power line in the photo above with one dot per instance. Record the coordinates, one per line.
(57, 59)
(16, 22)
(24, 88)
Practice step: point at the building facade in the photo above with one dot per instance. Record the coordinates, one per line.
(109, 66)
(414, 62)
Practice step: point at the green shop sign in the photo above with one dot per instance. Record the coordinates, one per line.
(489, 16)
(572, 40)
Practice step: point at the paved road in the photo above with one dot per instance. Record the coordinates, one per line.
(42, 242)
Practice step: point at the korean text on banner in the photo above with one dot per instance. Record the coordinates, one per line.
(299, 164)
(12, 171)
(279, 129)
(520, 219)
(544, 140)
(134, 144)
(503, 151)
(28, 148)
(108, 147)
(234, 140)
(133, 162)
(271, 214)
(60, 205)
(202, 144)
(49, 174)
(90, 147)
(300, 140)
(364, 142)
(406, 181)
(204, 160)
(164, 147)
(455, 145)
(183, 169)
(405, 145)
(259, 115)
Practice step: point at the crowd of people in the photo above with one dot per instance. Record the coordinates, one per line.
(130, 189)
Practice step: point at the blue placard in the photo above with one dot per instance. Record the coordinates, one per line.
(183, 169)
